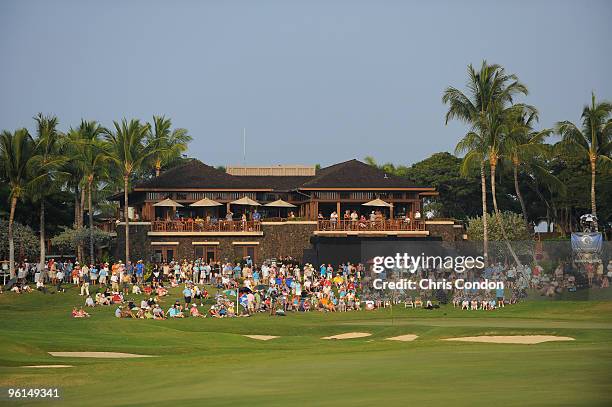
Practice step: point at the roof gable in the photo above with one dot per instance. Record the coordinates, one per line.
(194, 174)
(356, 174)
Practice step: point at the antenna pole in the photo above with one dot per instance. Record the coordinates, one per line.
(244, 145)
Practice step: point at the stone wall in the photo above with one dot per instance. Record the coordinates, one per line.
(446, 230)
(140, 246)
(286, 238)
(278, 240)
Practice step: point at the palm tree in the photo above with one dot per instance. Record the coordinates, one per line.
(472, 145)
(129, 151)
(594, 141)
(525, 146)
(491, 91)
(90, 156)
(167, 144)
(70, 148)
(16, 152)
(47, 164)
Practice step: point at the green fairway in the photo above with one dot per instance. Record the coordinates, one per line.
(210, 362)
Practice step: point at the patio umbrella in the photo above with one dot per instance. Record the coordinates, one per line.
(378, 202)
(280, 204)
(245, 201)
(168, 203)
(206, 202)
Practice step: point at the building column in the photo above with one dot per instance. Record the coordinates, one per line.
(338, 210)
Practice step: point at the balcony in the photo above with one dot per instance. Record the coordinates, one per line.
(367, 227)
(201, 227)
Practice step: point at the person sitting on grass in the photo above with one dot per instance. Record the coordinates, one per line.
(148, 290)
(79, 313)
(175, 312)
(195, 312)
(161, 291)
(136, 289)
(147, 313)
(213, 312)
(89, 302)
(158, 312)
(116, 298)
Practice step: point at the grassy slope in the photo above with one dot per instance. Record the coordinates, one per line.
(208, 361)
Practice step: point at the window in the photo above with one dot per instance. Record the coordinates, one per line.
(207, 252)
(246, 250)
(163, 254)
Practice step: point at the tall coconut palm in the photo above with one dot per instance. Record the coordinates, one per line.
(90, 156)
(16, 152)
(490, 91)
(70, 148)
(129, 152)
(47, 165)
(593, 141)
(498, 125)
(168, 144)
(474, 150)
(525, 146)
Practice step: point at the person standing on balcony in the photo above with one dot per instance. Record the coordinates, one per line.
(256, 216)
(333, 218)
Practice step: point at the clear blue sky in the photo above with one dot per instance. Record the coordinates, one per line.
(312, 81)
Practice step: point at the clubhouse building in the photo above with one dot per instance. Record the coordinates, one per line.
(311, 215)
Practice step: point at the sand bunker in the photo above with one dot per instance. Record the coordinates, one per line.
(100, 355)
(349, 335)
(46, 366)
(403, 338)
(261, 337)
(520, 339)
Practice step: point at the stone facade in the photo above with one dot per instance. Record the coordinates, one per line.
(448, 231)
(277, 239)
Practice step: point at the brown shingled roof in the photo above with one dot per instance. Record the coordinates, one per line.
(356, 174)
(348, 174)
(194, 174)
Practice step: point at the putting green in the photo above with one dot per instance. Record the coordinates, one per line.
(210, 361)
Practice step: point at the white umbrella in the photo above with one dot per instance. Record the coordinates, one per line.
(280, 204)
(206, 202)
(245, 201)
(378, 202)
(168, 203)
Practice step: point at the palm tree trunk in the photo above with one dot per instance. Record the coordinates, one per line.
(519, 195)
(10, 237)
(593, 203)
(82, 224)
(127, 221)
(76, 206)
(76, 216)
(485, 231)
(41, 262)
(498, 217)
(91, 233)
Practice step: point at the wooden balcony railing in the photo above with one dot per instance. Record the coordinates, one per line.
(203, 226)
(367, 225)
